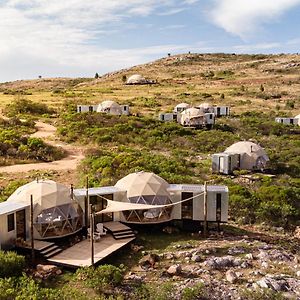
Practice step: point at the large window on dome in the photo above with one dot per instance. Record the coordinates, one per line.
(59, 221)
(152, 215)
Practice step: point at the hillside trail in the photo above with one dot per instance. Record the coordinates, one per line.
(46, 132)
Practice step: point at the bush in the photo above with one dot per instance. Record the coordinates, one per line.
(24, 106)
(100, 278)
(11, 264)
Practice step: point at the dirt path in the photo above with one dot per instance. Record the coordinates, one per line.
(47, 133)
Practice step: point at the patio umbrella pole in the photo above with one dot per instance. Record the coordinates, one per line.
(92, 234)
(31, 231)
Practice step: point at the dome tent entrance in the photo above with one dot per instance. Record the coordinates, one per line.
(55, 214)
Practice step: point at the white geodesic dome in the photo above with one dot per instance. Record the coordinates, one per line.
(252, 156)
(206, 107)
(136, 79)
(192, 117)
(55, 214)
(146, 188)
(110, 107)
(181, 107)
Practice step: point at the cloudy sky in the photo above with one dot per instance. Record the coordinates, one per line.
(56, 38)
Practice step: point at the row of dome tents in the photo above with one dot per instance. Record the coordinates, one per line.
(199, 116)
(138, 198)
(288, 121)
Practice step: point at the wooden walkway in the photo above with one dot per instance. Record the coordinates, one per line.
(79, 255)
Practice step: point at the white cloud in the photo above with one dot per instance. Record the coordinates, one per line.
(245, 17)
(59, 37)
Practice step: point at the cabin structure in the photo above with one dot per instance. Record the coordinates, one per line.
(244, 155)
(288, 121)
(166, 117)
(108, 106)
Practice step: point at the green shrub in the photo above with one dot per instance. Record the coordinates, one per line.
(100, 278)
(24, 106)
(11, 264)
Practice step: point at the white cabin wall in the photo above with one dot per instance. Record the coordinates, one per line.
(211, 206)
(224, 207)
(176, 212)
(198, 207)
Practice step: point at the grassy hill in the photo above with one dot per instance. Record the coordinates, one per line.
(248, 82)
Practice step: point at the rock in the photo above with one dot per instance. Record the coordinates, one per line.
(149, 261)
(221, 262)
(265, 265)
(297, 232)
(236, 250)
(169, 255)
(174, 270)
(46, 268)
(298, 273)
(249, 256)
(231, 276)
(136, 248)
(196, 258)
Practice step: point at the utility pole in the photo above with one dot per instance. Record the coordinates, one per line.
(92, 234)
(205, 209)
(31, 231)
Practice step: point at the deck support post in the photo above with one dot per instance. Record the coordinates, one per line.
(205, 209)
(31, 231)
(92, 234)
(87, 204)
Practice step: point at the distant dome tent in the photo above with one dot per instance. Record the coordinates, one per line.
(138, 79)
(110, 107)
(244, 155)
(55, 213)
(181, 107)
(206, 107)
(192, 117)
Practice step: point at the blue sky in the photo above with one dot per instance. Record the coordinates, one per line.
(78, 38)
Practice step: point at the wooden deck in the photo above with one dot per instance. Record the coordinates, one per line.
(38, 245)
(79, 255)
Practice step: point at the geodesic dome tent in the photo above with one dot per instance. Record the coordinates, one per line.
(206, 107)
(252, 156)
(192, 117)
(55, 214)
(181, 107)
(110, 107)
(136, 79)
(146, 188)
(298, 117)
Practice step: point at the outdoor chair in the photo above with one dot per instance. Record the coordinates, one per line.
(97, 236)
(100, 229)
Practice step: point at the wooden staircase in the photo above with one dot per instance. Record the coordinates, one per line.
(49, 250)
(118, 230)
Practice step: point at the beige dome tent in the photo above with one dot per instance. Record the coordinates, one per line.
(110, 107)
(181, 107)
(192, 117)
(206, 107)
(252, 156)
(136, 79)
(55, 213)
(146, 188)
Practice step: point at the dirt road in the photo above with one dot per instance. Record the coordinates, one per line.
(47, 133)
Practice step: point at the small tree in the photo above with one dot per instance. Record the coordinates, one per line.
(96, 75)
(262, 89)
(124, 78)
